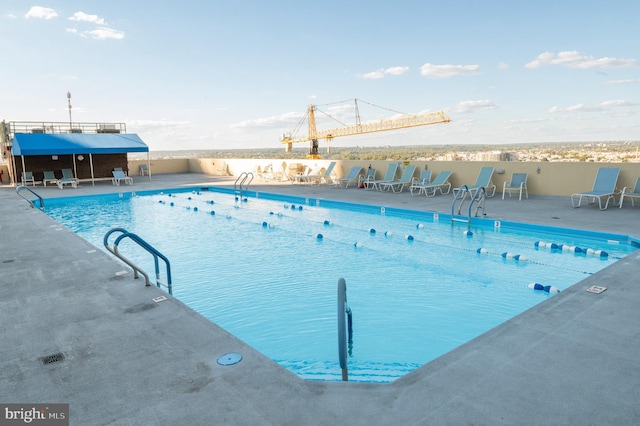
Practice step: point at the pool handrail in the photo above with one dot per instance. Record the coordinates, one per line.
(239, 185)
(345, 328)
(149, 248)
(479, 195)
(21, 187)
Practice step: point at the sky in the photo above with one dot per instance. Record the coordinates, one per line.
(239, 74)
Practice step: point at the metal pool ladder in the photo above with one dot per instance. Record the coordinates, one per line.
(241, 184)
(21, 187)
(478, 197)
(149, 248)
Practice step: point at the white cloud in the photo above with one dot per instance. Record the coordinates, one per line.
(574, 59)
(471, 106)
(581, 107)
(40, 12)
(445, 71)
(396, 70)
(102, 33)
(381, 73)
(503, 66)
(374, 75)
(84, 17)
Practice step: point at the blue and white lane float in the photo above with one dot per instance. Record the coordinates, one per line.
(571, 249)
(505, 255)
(545, 288)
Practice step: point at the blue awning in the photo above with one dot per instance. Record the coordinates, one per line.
(76, 143)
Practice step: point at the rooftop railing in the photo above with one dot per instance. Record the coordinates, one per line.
(62, 127)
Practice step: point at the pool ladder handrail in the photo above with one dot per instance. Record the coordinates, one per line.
(136, 269)
(345, 329)
(239, 186)
(478, 197)
(21, 187)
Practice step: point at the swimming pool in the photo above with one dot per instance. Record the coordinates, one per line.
(266, 270)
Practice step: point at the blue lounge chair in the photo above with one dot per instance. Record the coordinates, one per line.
(390, 176)
(49, 177)
(399, 185)
(352, 177)
(483, 181)
(28, 177)
(518, 183)
(603, 187)
(630, 193)
(119, 176)
(440, 184)
(68, 179)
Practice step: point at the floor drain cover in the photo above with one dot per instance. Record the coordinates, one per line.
(50, 359)
(229, 359)
(159, 299)
(596, 289)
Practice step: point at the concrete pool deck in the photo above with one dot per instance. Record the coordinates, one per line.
(572, 359)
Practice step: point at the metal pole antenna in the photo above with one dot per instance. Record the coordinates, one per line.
(69, 102)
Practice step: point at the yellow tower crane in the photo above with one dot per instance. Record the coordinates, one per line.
(407, 121)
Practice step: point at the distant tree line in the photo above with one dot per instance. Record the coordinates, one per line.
(577, 151)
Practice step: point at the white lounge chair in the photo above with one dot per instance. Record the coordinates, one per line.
(440, 184)
(603, 187)
(399, 185)
(630, 193)
(416, 184)
(482, 181)
(518, 183)
(390, 176)
(319, 178)
(119, 176)
(68, 179)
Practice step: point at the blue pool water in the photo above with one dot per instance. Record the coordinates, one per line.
(259, 269)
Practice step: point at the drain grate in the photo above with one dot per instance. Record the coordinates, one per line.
(596, 289)
(50, 359)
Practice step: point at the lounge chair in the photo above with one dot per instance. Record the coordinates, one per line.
(352, 177)
(518, 183)
(118, 176)
(483, 181)
(28, 177)
(68, 179)
(630, 193)
(390, 176)
(438, 185)
(265, 173)
(416, 184)
(326, 176)
(304, 177)
(144, 170)
(49, 177)
(398, 185)
(603, 187)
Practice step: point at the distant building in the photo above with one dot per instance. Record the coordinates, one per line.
(495, 156)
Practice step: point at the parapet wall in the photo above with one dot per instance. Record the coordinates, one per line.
(545, 178)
